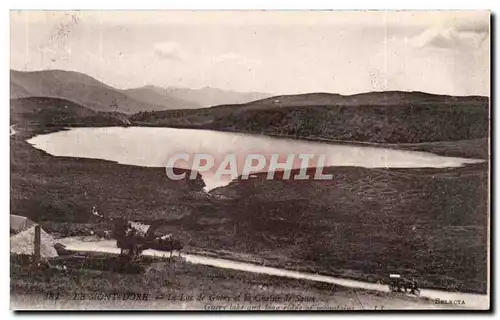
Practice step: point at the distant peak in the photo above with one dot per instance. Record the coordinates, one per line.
(150, 86)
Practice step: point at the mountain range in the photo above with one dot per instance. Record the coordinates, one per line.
(208, 96)
(96, 95)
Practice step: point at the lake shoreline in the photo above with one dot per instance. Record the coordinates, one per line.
(21, 133)
(154, 146)
(431, 146)
(441, 148)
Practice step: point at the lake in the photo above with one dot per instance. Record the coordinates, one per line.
(153, 147)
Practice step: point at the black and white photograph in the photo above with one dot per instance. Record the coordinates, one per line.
(250, 160)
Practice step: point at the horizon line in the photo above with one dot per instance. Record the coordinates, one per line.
(257, 92)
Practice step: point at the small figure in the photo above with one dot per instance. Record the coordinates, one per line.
(414, 287)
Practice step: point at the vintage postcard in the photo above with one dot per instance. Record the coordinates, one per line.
(250, 160)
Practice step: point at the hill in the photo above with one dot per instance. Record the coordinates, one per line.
(384, 118)
(155, 96)
(81, 89)
(382, 98)
(18, 91)
(54, 112)
(208, 96)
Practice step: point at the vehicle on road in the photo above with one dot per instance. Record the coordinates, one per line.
(401, 284)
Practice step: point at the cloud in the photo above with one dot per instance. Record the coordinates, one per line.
(465, 37)
(171, 51)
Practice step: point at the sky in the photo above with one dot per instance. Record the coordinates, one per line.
(277, 52)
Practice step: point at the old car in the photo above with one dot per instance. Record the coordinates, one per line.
(397, 283)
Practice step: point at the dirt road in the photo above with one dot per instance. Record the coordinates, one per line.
(447, 299)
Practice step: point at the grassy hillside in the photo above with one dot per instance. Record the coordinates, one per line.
(18, 91)
(364, 223)
(430, 223)
(54, 112)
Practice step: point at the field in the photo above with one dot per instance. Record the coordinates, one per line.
(431, 224)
